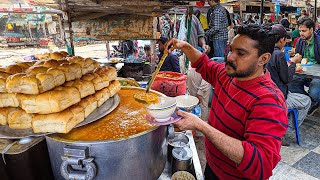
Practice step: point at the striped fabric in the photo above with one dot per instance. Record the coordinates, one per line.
(252, 111)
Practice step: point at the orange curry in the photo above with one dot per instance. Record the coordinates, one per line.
(126, 120)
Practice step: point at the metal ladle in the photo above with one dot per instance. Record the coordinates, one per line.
(140, 98)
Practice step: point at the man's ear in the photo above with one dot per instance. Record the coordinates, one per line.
(264, 58)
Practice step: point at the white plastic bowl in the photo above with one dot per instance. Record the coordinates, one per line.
(187, 102)
(163, 110)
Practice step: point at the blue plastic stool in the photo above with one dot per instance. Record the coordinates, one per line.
(296, 123)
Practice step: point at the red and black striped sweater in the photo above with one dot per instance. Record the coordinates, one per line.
(252, 111)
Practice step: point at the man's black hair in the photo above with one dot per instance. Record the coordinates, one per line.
(309, 23)
(286, 14)
(147, 48)
(265, 41)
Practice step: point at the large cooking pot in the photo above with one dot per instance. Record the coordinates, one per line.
(141, 156)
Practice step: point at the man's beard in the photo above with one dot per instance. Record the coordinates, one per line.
(241, 74)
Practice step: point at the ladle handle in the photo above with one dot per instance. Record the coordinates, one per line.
(156, 72)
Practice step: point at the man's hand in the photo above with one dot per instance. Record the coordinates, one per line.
(297, 58)
(189, 121)
(206, 49)
(173, 44)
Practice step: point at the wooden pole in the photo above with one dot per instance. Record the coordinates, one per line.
(68, 33)
(108, 49)
(261, 12)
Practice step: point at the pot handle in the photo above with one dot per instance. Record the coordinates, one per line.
(170, 131)
(77, 165)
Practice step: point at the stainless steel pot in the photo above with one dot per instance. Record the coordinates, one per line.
(142, 156)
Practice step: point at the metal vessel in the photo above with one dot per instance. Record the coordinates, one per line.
(142, 156)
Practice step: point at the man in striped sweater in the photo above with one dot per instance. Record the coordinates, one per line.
(248, 116)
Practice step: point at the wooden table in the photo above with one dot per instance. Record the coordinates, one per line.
(310, 71)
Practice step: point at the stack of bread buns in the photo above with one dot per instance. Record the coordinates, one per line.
(54, 95)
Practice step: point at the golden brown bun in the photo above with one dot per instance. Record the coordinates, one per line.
(89, 104)
(8, 100)
(85, 88)
(74, 59)
(64, 53)
(42, 57)
(3, 69)
(61, 122)
(56, 56)
(107, 73)
(5, 114)
(96, 64)
(4, 75)
(72, 71)
(51, 63)
(58, 75)
(22, 83)
(98, 82)
(39, 63)
(102, 96)
(3, 85)
(36, 70)
(52, 101)
(25, 65)
(14, 69)
(46, 82)
(114, 87)
(20, 120)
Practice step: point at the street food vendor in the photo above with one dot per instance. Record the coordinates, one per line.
(248, 116)
(171, 63)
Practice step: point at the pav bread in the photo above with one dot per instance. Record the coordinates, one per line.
(5, 114)
(52, 101)
(98, 82)
(89, 104)
(102, 96)
(85, 88)
(61, 122)
(29, 84)
(114, 87)
(56, 56)
(19, 119)
(8, 100)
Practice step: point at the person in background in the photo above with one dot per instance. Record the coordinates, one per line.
(281, 74)
(196, 85)
(256, 19)
(250, 20)
(218, 28)
(309, 47)
(248, 116)
(171, 63)
(303, 14)
(295, 36)
(285, 21)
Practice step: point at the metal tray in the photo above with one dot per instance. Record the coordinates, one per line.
(106, 108)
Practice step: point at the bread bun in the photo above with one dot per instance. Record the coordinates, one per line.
(36, 70)
(8, 100)
(61, 122)
(65, 54)
(22, 83)
(19, 119)
(56, 56)
(14, 69)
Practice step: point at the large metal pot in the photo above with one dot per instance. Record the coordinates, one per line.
(142, 156)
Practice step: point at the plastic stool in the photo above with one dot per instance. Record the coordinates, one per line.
(296, 123)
